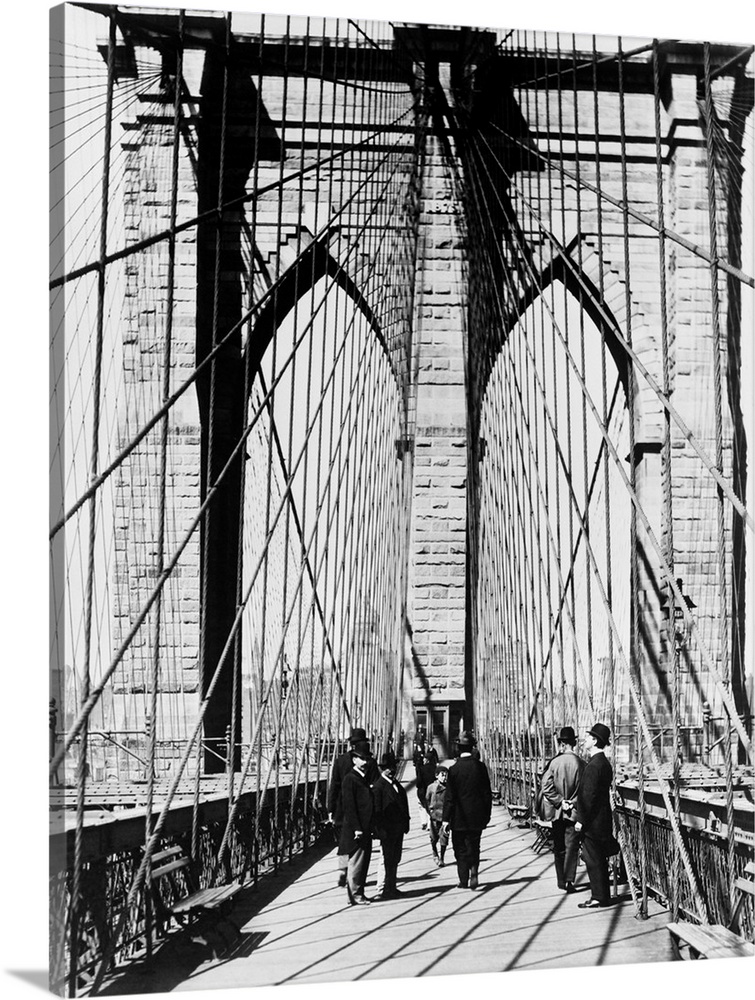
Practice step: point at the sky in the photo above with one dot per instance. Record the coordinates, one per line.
(24, 400)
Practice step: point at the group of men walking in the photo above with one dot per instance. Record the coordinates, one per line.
(365, 800)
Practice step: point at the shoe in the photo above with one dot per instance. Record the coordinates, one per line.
(341, 880)
(462, 885)
(438, 862)
(441, 863)
(560, 885)
(361, 901)
(424, 826)
(473, 880)
(391, 894)
(592, 904)
(569, 887)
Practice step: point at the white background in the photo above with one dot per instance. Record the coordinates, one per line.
(24, 401)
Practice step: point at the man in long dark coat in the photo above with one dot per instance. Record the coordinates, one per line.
(391, 822)
(466, 809)
(355, 842)
(341, 766)
(594, 820)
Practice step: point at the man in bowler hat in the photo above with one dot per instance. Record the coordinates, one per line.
(391, 822)
(341, 767)
(560, 785)
(355, 841)
(466, 809)
(594, 820)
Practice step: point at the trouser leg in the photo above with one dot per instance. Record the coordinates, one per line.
(359, 862)
(474, 837)
(466, 845)
(392, 848)
(597, 870)
(571, 852)
(559, 851)
(459, 842)
(343, 859)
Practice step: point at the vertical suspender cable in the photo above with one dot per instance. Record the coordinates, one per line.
(567, 433)
(718, 347)
(583, 371)
(164, 433)
(77, 900)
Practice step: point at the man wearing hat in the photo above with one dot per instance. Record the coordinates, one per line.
(594, 820)
(341, 767)
(355, 840)
(466, 809)
(560, 785)
(391, 822)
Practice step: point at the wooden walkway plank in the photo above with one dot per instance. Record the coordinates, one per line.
(302, 930)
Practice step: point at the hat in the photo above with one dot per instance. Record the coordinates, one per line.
(441, 769)
(359, 754)
(466, 739)
(387, 761)
(600, 732)
(567, 735)
(357, 736)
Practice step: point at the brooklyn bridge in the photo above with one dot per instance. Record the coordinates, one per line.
(399, 382)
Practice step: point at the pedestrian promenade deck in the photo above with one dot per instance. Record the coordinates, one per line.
(297, 926)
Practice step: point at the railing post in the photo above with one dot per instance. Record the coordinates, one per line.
(641, 820)
(53, 737)
(150, 764)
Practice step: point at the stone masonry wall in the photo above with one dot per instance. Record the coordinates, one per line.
(437, 573)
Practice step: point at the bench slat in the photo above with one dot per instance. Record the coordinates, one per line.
(745, 885)
(714, 941)
(172, 866)
(205, 899)
(169, 852)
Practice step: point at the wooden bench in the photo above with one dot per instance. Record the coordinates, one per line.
(716, 940)
(203, 911)
(543, 835)
(518, 813)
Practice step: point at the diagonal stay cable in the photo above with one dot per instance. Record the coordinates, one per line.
(212, 213)
(207, 360)
(162, 579)
(689, 619)
(610, 322)
(647, 220)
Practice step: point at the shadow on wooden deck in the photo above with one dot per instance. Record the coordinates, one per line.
(297, 926)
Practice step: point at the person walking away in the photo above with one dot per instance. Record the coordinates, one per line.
(594, 821)
(358, 743)
(560, 785)
(466, 809)
(435, 797)
(391, 823)
(425, 771)
(355, 842)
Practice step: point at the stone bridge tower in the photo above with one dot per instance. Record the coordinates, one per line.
(455, 342)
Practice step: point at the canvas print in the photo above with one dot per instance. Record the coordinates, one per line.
(401, 544)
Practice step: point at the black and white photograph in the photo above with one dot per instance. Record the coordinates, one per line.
(400, 420)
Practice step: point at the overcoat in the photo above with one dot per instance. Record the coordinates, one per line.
(341, 767)
(561, 781)
(593, 809)
(468, 800)
(358, 812)
(391, 807)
